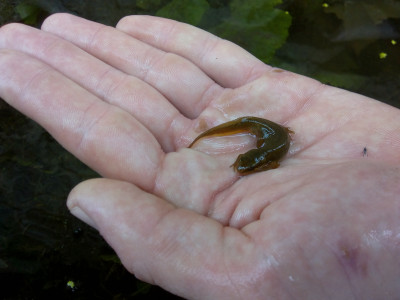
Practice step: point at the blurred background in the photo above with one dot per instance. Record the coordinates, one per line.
(47, 253)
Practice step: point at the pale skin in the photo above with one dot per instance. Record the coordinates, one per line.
(127, 101)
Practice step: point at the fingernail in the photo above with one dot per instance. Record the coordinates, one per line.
(80, 214)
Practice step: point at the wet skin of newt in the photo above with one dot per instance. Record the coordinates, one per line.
(273, 141)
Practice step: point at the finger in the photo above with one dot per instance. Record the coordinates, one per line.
(180, 81)
(111, 85)
(225, 62)
(103, 136)
(176, 249)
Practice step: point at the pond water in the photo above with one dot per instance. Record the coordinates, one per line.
(50, 253)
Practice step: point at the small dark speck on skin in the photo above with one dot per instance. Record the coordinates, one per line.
(365, 152)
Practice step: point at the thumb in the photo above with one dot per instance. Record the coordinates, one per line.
(174, 248)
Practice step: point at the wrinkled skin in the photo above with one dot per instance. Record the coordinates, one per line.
(127, 101)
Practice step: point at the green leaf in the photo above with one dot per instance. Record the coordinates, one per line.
(188, 11)
(28, 12)
(147, 4)
(257, 26)
(360, 18)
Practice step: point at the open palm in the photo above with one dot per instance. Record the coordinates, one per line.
(128, 101)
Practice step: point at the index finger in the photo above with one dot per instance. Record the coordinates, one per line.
(226, 63)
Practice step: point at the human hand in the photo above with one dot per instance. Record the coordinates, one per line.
(128, 101)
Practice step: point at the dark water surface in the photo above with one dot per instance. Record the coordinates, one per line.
(50, 254)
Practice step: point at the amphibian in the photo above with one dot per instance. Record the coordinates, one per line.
(273, 141)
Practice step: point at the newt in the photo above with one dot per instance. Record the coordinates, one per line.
(273, 141)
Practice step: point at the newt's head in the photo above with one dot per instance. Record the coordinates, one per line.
(254, 161)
